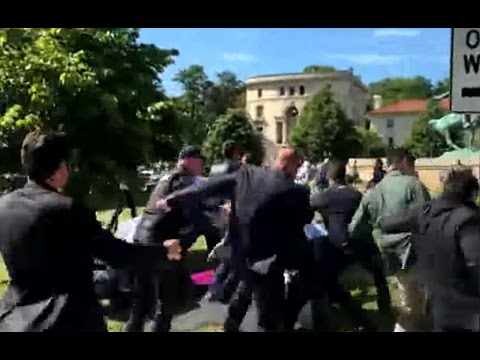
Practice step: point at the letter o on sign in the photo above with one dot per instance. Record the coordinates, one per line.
(473, 39)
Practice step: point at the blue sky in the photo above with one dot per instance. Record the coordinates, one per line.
(372, 53)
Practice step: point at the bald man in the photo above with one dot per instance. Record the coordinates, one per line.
(266, 232)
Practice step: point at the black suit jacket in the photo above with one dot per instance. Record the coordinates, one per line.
(268, 213)
(48, 243)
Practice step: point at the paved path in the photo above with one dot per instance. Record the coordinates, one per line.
(213, 313)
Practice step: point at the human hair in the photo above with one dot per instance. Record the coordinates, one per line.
(337, 171)
(460, 184)
(229, 148)
(379, 162)
(43, 153)
(247, 158)
(397, 156)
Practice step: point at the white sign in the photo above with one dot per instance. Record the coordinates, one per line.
(465, 70)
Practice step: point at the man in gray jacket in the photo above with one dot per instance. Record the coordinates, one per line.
(394, 195)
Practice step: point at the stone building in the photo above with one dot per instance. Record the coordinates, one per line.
(274, 102)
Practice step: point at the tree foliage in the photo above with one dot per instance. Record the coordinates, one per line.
(95, 84)
(224, 94)
(234, 125)
(372, 144)
(400, 88)
(203, 100)
(316, 69)
(423, 140)
(323, 129)
(195, 86)
(442, 86)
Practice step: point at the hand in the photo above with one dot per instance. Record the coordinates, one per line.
(162, 204)
(174, 250)
(225, 210)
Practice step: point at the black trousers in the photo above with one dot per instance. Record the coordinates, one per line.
(364, 252)
(158, 296)
(319, 282)
(278, 307)
(374, 265)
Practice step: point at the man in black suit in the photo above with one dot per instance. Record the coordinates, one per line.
(267, 217)
(225, 281)
(161, 294)
(48, 243)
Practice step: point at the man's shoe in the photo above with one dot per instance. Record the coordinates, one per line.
(231, 325)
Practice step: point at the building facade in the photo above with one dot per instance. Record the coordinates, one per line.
(274, 102)
(394, 122)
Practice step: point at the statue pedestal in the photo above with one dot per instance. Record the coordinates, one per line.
(461, 155)
(430, 170)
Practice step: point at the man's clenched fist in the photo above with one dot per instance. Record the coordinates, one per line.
(174, 250)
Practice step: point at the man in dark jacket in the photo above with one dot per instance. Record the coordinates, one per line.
(212, 225)
(160, 295)
(337, 205)
(267, 217)
(378, 174)
(48, 243)
(225, 281)
(446, 244)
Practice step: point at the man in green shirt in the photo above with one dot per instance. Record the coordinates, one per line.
(397, 193)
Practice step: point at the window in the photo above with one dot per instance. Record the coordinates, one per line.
(281, 91)
(302, 90)
(258, 126)
(390, 123)
(391, 142)
(260, 93)
(259, 112)
(292, 91)
(279, 132)
(367, 124)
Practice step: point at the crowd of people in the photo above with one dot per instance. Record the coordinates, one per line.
(258, 223)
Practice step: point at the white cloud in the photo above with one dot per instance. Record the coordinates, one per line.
(369, 59)
(238, 57)
(396, 33)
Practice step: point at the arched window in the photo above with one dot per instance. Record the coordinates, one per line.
(302, 90)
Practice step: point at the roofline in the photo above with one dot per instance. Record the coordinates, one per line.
(445, 95)
(260, 79)
(372, 113)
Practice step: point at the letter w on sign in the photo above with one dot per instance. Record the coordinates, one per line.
(465, 70)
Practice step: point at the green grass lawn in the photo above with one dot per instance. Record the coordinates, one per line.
(355, 279)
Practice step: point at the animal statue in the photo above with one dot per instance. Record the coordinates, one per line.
(456, 122)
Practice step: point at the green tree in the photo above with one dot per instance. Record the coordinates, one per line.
(223, 95)
(423, 140)
(234, 125)
(323, 128)
(196, 85)
(312, 69)
(95, 84)
(442, 86)
(372, 143)
(166, 124)
(400, 88)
